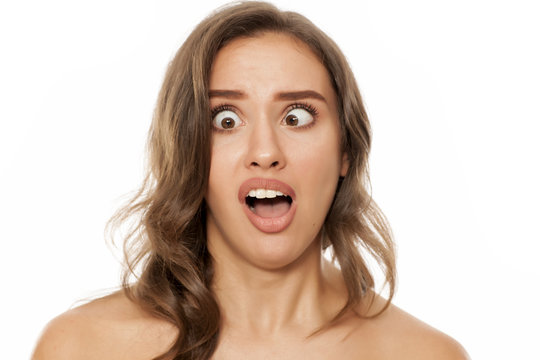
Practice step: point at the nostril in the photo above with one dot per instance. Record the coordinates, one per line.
(266, 163)
(274, 164)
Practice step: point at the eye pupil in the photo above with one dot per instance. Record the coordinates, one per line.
(227, 123)
(291, 120)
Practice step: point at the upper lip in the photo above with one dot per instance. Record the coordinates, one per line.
(261, 183)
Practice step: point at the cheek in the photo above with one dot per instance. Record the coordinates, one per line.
(224, 161)
(216, 179)
(317, 169)
(223, 180)
(320, 157)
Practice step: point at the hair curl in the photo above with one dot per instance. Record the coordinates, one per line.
(166, 248)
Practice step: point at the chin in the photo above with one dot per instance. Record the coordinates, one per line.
(278, 252)
(266, 251)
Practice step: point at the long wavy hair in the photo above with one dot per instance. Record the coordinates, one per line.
(165, 248)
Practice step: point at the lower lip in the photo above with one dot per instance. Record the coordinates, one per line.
(271, 225)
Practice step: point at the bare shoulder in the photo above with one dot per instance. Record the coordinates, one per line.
(408, 335)
(111, 327)
(396, 334)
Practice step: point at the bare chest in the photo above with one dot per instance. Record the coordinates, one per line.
(332, 346)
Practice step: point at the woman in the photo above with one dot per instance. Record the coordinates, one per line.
(258, 157)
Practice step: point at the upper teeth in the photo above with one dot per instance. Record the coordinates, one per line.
(263, 193)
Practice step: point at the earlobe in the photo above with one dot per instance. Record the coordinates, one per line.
(344, 165)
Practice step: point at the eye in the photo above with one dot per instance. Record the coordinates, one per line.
(226, 120)
(298, 117)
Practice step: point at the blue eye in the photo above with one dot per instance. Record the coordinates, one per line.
(226, 120)
(298, 117)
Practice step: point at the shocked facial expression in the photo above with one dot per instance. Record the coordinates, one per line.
(276, 157)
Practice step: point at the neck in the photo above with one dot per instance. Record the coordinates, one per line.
(300, 296)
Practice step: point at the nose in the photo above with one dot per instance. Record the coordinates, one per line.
(264, 148)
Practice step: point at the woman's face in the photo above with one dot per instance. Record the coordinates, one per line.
(276, 157)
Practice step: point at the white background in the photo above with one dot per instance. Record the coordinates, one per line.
(452, 89)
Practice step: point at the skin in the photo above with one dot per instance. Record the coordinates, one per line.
(275, 289)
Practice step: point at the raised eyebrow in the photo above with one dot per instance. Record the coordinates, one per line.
(299, 95)
(229, 94)
(289, 95)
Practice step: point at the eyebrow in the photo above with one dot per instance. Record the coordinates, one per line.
(288, 95)
(229, 94)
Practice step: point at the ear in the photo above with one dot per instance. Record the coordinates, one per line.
(344, 165)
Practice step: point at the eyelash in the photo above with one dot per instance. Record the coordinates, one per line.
(298, 105)
(308, 107)
(215, 110)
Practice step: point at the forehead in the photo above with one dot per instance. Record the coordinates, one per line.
(270, 61)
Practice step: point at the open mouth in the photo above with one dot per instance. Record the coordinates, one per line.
(269, 207)
(269, 204)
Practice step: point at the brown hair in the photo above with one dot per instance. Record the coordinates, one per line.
(168, 243)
